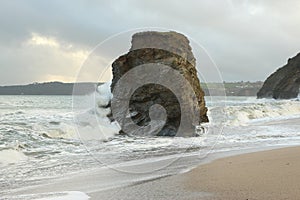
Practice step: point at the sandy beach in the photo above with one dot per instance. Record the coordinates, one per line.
(272, 175)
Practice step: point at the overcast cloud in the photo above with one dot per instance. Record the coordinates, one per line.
(42, 41)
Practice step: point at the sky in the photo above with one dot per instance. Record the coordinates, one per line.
(49, 41)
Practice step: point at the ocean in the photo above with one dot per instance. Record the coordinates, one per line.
(47, 138)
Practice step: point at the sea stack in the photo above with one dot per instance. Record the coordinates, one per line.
(284, 83)
(162, 48)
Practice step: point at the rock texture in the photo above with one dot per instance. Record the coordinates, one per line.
(169, 41)
(284, 83)
(171, 49)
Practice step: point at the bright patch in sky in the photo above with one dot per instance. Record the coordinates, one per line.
(37, 39)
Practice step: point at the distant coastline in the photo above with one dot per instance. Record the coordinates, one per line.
(48, 88)
(58, 88)
(241, 88)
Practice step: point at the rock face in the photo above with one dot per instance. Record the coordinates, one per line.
(284, 83)
(162, 48)
(169, 41)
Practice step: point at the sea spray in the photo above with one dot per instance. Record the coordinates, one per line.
(94, 123)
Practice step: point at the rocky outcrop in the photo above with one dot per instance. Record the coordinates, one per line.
(284, 83)
(169, 41)
(162, 48)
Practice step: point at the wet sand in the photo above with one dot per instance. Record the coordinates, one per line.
(272, 175)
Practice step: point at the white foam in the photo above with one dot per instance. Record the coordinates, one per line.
(70, 195)
(262, 111)
(64, 130)
(103, 94)
(94, 124)
(11, 156)
(91, 121)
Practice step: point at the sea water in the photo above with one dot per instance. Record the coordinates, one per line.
(42, 138)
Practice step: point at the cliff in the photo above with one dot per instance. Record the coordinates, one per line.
(284, 83)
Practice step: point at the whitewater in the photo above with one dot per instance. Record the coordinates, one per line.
(44, 139)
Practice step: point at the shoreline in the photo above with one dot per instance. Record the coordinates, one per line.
(267, 174)
(181, 186)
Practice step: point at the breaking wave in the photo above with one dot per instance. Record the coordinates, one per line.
(262, 110)
(94, 124)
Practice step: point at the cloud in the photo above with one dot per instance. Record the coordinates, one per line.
(39, 40)
(248, 40)
(41, 58)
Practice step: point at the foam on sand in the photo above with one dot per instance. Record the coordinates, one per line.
(11, 156)
(67, 195)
